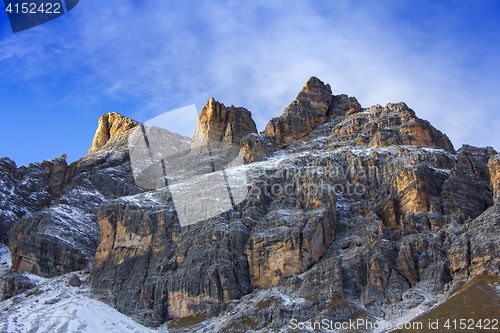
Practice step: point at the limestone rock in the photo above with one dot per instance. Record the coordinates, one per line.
(361, 213)
(372, 205)
(343, 105)
(485, 243)
(256, 147)
(467, 192)
(108, 126)
(28, 189)
(171, 271)
(53, 241)
(74, 281)
(218, 123)
(304, 114)
(494, 168)
(377, 126)
(56, 170)
(457, 248)
(63, 236)
(142, 235)
(17, 283)
(288, 240)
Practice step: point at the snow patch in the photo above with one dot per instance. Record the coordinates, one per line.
(54, 306)
(447, 171)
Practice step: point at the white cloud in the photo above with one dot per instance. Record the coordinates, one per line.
(181, 121)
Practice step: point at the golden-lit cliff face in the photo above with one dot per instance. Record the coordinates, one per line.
(108, 126)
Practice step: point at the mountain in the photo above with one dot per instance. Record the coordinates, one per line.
(347, 213)
(482, 292)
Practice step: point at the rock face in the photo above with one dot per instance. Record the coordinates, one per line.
(169, 259)
(108, 126)
(384, 215)
(350, 212)
(343, 105)
(494, 169)
(256, 147)
(484, 248)
(304, 114)
(63, 236)
(15, 283)
(25, 190)
(377, 126)
(218, 123)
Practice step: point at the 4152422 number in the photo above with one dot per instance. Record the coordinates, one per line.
(32, 8)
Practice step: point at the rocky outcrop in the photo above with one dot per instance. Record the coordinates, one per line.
(373, 201)
(16, 283)
(56, 170)
(377, 126)
(374, 212)
(256, 147)
(393, 250)
(484, 248)
(291, 238)
(170, 272)
(108, 126)
(467, 192)
(216, 249)
(218, 123)
(64, 236)
(343, 105)
(494, 169)
(350, 213)
(28, 189)
(54, 241)
(348, 123)
(303, 115)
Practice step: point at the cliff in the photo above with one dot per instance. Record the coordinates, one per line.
(109, 125)
(348, 212)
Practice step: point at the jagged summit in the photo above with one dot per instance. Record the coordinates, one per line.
(218, 123)
(377, 126)
(351, 212)
(317, 113)
(306, 112)
(109, 125)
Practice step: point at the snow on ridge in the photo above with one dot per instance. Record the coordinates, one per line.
(447, 171)
(68, 212)
(147, 198)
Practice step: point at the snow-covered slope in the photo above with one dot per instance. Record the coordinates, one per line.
(55, 306)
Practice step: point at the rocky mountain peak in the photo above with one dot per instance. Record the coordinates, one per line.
(315, 94)
(218, 123)
(315, 113)
(109, 125)
(306, 112)
(362, 212)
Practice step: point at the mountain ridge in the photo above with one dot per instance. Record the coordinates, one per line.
(351, 212)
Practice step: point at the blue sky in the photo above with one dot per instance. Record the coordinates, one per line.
(144, 58)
